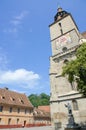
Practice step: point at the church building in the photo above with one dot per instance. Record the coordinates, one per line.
(65, 39)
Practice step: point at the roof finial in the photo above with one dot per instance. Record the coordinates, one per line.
(58, 5)
(59, 8)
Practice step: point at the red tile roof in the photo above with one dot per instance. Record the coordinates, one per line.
(84, 34)
(14, 98)
(44, 108)
(40, 113)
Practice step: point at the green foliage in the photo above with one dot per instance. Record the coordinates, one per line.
(39, 100)
(77, 68)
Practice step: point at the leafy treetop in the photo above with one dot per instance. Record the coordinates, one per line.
(39, 100)
(77, 68)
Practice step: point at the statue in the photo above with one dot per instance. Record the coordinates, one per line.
(71, 123)
(69, 108)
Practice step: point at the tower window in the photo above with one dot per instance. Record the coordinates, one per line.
(61, 31)
(75, 105)
(60, 28)
(60, 24)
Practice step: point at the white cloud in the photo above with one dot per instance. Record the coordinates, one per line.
(21, 77)
(16, 23)
(17, 20)
(22, 15)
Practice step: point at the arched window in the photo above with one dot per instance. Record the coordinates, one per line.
(75, 105)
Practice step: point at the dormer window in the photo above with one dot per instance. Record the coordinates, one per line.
(13, 99)
(3, 97)
(22, 101)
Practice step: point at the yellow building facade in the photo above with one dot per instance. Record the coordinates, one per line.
(15, 109)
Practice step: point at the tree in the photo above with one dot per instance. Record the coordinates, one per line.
(39, 100)
(76, 69)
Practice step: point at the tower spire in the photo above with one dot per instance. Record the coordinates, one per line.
(60, 13)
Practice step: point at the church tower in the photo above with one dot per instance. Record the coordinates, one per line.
(65, 38)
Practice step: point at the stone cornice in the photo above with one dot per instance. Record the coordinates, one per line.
(73, 49)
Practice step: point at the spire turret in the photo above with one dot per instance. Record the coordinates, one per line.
(60, 14)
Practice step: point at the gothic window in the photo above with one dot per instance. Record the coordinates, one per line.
(75, 104)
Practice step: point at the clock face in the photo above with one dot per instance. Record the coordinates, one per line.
(63, 41)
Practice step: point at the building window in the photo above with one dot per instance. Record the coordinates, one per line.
(75, 105)
(1, 108)
(10, 109)
(30, 111)
(25, 111)
(0, 120)
(17, 120)
(9, 121)
(18, 110)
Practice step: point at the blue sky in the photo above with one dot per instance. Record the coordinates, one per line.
(25, 45)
